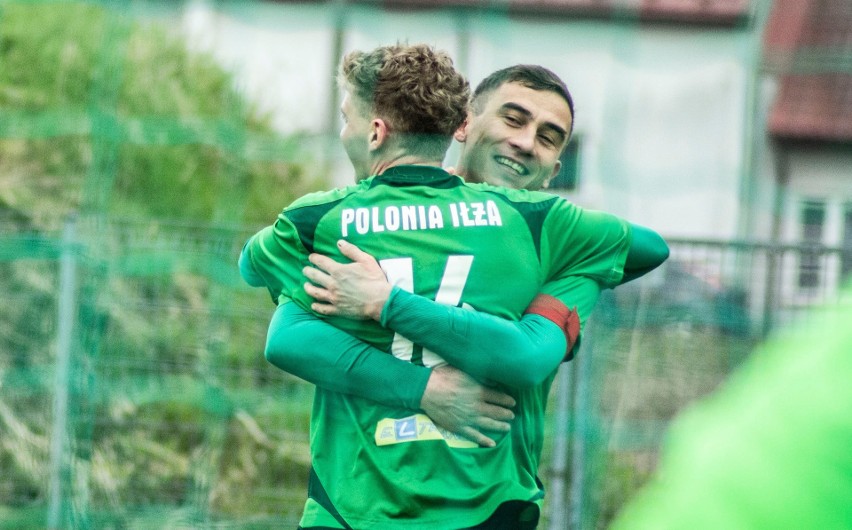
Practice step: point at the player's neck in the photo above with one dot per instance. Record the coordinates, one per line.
(380, 166)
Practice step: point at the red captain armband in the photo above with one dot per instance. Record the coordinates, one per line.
(558, 313)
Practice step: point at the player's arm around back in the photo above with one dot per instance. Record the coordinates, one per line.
(648, 250)
(300, 343)
(517, 354)
(598, 245)
(311, 349)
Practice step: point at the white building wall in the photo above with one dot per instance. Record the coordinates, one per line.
(660, 109)
(280, 54)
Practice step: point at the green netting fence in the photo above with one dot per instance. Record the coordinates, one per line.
(135, 392)
(133, 388)
(148, 403)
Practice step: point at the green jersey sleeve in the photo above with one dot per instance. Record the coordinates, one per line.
(518, 354)
(276, 256)
(300, 343)
(247, 269)
(648, 250)
(584, 243)
(579, 293)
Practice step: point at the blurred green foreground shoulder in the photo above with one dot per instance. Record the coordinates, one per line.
(772, 449)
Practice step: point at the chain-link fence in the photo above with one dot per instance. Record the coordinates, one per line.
(148, 402)
(653, 347)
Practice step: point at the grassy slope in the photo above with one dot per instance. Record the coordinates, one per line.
(172, 405)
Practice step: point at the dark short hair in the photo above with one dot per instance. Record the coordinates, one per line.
(415, 88)
(529, 75)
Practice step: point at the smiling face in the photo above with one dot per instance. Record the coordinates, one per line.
(516, 137)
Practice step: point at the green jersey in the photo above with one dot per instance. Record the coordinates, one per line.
(471, 245)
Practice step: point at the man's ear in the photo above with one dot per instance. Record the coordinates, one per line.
(378, 133)
(461, 133)
(556, 167)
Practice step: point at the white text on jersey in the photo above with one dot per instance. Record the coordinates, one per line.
(418, 217)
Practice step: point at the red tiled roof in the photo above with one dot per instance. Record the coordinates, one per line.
(813, 107)
(810, 43)
(712, 11)
(693, 11)
(814, 25)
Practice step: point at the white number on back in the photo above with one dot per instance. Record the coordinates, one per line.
(400, 272)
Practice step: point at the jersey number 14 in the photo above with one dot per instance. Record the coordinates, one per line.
(400, 272)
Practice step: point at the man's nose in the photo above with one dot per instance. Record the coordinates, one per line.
(523, 140)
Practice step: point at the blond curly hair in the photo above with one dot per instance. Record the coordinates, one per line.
(414, 88)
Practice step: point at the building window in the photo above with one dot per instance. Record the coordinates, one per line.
(813, 226)
(568, 177)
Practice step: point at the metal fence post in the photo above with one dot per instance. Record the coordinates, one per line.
(581, 412)
(558, 510)
(64, 345)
